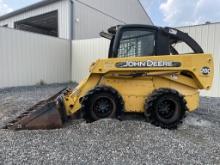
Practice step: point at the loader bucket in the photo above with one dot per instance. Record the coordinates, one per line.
(44, 115)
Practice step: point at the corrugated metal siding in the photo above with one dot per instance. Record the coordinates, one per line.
(92, 17)
(27, 58)
(63, 8)
(208, 36)
(84, 53)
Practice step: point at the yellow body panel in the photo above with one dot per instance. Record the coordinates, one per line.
(187, 79)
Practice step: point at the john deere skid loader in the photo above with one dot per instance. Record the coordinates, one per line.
(143, 74)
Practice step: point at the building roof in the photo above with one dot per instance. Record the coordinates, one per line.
(201, 24)
(28, 8)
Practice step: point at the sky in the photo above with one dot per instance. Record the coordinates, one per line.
(162, 12)
(182, 12)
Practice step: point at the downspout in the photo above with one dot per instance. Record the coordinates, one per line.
(71, 35)
(72, 19)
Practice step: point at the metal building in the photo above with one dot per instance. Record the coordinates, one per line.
(75, 19)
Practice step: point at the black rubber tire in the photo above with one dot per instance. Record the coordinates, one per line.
(91, 97)
(175, 114)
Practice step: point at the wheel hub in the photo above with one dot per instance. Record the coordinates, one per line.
(103, 107)
(166, 108)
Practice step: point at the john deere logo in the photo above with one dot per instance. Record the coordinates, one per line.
(148, 63)
(205, 70)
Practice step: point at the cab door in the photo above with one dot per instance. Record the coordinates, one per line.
(135, 42)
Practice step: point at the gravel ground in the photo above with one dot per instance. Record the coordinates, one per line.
(197, 140)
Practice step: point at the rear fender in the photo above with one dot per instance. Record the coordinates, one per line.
(190, 93)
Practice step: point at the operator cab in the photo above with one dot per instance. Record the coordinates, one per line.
(146, 40)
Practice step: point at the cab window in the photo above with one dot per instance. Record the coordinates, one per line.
(136, 43)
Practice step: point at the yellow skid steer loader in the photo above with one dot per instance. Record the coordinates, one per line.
(143, 74)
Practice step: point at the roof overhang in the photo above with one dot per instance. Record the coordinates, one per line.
(28, 8)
